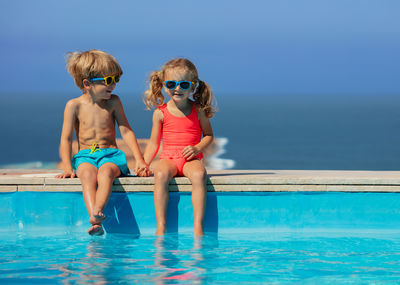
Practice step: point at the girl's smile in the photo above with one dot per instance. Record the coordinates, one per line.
(177, 93)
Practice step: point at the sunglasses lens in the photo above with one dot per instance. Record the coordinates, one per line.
(185, 85)
(108, 80)
(170, 84)
(116, 78)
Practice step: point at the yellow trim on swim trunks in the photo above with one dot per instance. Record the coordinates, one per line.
(94, 148)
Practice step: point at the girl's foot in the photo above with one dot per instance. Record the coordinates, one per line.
(96, 230)
(160, 231)
(198, 230)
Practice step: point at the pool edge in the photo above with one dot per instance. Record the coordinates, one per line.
(20, 180)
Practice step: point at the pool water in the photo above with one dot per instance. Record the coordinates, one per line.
(182, 259)
(281, 238)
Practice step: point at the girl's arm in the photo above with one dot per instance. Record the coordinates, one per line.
(190, 151)
(128, 135)
(155, 137)
(66, 139)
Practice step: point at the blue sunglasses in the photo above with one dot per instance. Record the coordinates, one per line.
(171, 84)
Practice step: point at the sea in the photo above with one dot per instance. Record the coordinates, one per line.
(254, 131)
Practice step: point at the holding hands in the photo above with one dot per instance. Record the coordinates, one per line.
(142, 169)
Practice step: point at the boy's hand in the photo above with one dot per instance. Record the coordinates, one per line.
(144, 173)
(142, 169)
(66, 174)
(190, 152)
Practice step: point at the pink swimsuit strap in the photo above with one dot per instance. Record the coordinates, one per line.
(179, 132)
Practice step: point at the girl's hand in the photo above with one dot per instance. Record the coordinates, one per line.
(66, 174)
(142, 169)
(190, 152)
(144, 173)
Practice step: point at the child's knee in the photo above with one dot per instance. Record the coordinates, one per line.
(198, 176)
(108, 172)
(161, 175)
(88, 175)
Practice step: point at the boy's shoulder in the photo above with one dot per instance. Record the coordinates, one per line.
(114, 98)
(73, 103)
(114, 102)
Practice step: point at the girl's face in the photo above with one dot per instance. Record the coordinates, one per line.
(178, 94)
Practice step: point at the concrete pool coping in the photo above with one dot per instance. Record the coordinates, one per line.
(19, 180)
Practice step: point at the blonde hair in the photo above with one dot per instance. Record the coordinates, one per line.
(91, 64)
(203, 95)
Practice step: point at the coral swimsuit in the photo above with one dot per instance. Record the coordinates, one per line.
(178, 133)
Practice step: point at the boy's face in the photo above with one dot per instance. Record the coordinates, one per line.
(178, 94)
(99, 89)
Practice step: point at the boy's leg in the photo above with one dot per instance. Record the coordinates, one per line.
(163, 174)
(196, 172)
(105, 178)
(87, 173)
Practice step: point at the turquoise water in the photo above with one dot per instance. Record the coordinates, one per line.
(213, 259)
(252, 237)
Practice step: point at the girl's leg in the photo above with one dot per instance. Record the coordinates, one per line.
(105, 178)
(163, 174)
(87, 173)
(196, 172)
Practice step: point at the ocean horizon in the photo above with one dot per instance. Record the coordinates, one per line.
(255, 131)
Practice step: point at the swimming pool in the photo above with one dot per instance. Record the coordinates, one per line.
(251, 237)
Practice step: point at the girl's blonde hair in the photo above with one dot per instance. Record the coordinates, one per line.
(203, 96)
(91, 64)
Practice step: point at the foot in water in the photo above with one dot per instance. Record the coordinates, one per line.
(97, 218)
(160, 230)
(198, 230)
(96, 230)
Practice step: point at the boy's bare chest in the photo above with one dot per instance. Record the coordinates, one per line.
(95, 117)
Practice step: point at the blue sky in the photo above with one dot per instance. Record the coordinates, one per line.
(265, 47)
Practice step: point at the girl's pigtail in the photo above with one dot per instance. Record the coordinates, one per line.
(153, 96)
(204, 98)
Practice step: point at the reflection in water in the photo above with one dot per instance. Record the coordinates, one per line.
(101, 262)
(228, 259)
(97, 263)
(179, 264)
(166, 259)
(173, 258)
(204, 253)
(90, 266)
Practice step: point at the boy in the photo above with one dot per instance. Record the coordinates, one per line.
(93, 116)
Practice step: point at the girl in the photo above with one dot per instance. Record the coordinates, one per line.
(181, 123)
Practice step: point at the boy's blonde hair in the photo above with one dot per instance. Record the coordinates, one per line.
(91, 64)
(202, 96)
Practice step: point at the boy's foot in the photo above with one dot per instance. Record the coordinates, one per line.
(97, 218)
(96, 230)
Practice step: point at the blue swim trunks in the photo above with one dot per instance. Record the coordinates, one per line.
(101, 156)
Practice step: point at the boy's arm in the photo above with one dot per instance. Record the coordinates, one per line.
(155, 137)
(128, 135)
(190, 151)
(66, 139)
